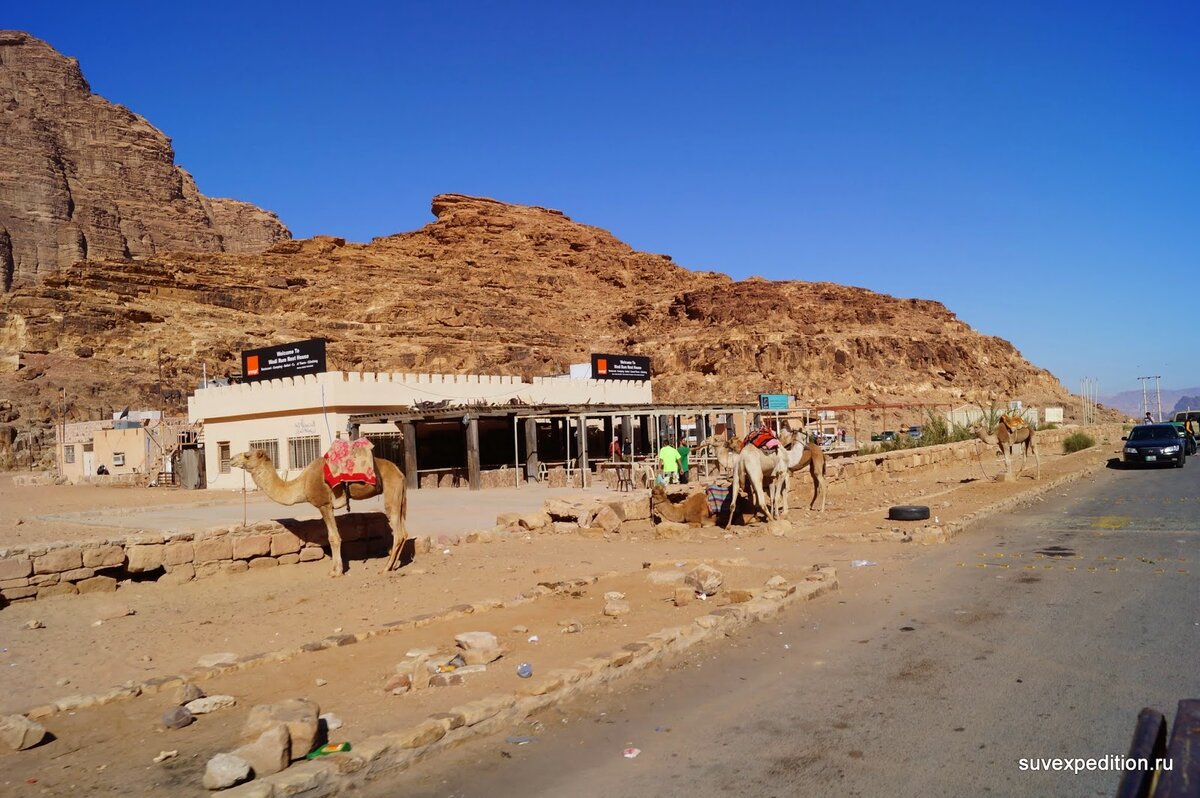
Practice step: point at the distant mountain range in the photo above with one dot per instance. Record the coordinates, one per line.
(1130, 402)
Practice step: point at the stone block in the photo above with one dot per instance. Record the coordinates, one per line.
(41, 580)
(178, 574)
(213, 550)
(631, 509)
(270, 752)
(310, 553)
(289, 559)
(234, 567)
(178, 552)
(207, 569)
(18, 593)
(59, 560)
(299, 715)
(534, 521)
(508, 519)
(18, 732)
(684, 596)
(421, 735)
(15, 567)
(740, 596)
(10, 583)
(605, 518)
(144, 558)
(61, 589)
(97, 584)
(285, 543)
(265, 562)
(670, 530)
(77, 575)
(107, 556)
(561, 510)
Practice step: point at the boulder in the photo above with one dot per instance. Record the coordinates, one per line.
(225, 770)
(705, 579)
(202, 706)
(270, 752)
(300, 715)
(19, 732)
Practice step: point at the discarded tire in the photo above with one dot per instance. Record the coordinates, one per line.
(908, 512)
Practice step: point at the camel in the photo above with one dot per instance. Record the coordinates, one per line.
(310, 487)
(757, 467)
(692, 511)
(724, 449)
(1007, 436)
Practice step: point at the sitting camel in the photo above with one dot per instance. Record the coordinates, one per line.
(693, 510)
(310, 487)
(1009, 432)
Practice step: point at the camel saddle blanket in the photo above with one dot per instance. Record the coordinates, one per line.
(349, 461)
(1012, 422)
(717, 496)
(762, 439)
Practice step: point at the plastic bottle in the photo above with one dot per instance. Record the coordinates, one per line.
(524, 670)
(331, 748)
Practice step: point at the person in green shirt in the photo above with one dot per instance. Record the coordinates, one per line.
(668, 455)
(684, 453)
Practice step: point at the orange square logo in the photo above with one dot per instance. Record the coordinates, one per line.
(601, 365)
(252, 365)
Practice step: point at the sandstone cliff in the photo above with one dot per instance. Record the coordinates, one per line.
(81, 178)
(493, 288)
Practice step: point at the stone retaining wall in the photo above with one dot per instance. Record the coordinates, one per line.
(53, 569)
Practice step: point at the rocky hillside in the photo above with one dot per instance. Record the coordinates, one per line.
(84, 179)
(494, 288)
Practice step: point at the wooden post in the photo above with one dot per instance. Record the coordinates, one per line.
(531, 449)
(473, 452)
(581, 445)
(409, 429)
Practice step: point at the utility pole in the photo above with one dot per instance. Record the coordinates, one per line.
(1158, 396)
(1145, 398)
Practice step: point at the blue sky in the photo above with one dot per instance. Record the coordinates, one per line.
(1034, 166)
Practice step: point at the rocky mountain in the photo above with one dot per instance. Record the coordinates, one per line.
(488, 288)
(84, 179)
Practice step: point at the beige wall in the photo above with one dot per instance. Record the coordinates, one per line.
(321, 404)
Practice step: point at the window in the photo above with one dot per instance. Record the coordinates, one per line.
(270, 447)
(223, 457)
(118, 458)
(69, 454)
(87, 447)
(302, 451)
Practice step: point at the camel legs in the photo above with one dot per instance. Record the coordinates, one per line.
(399, 532)
(335, 539)
(818, 479)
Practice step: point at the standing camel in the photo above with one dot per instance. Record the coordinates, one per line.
(310, 487)
(756, 467)
(1005, 438)
(721, 445)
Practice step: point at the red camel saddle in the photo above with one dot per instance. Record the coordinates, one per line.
(762, 438)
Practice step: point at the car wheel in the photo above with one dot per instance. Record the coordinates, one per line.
(908, 512)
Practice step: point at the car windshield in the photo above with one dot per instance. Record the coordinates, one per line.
(1150, 432)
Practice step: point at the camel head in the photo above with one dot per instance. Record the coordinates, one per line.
(250, 460)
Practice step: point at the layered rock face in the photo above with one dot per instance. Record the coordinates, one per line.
(489, 288)
(83, 179)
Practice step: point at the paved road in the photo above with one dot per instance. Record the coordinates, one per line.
(929, 674)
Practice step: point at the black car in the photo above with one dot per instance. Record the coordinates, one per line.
(1153, 444)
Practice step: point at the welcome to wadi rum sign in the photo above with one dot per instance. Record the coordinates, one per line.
(284, 360)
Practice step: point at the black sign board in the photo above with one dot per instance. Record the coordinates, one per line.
(620, 367)
(284, 360)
